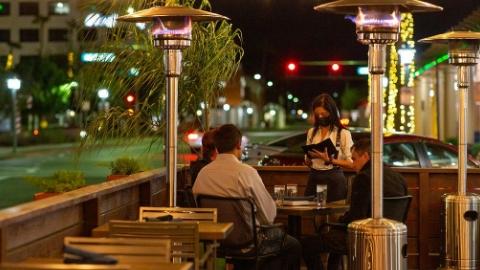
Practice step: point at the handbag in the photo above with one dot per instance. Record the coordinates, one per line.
(270, 239)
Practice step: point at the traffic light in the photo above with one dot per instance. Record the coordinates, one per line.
(335, 67)
(291, 67)
(130, 100)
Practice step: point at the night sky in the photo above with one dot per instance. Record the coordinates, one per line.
(275, 31)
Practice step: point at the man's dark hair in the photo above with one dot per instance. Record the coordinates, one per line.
(226, 138)
(363, 145)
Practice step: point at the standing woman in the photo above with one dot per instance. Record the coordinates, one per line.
(324, 169)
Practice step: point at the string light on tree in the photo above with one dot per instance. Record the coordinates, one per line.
(399, 100)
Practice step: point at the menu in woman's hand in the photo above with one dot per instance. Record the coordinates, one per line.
(322, 146)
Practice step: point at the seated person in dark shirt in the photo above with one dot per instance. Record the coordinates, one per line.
(335, 240)
(209, 153)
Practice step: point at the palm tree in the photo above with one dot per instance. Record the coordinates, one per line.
(212, 59)
(42, 21)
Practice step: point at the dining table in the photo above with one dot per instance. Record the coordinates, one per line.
(56, 263)
(208, 231)
(295, 214)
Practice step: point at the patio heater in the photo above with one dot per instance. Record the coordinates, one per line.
(172, 32)
(377, 243)
(460, 225)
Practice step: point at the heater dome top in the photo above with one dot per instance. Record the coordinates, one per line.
(453, 36)
(171, 12)
(351, 6)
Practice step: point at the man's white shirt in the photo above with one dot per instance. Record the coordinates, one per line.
(226, 176)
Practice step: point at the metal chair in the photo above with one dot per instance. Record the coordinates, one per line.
(183, 214)
(125, 250)
(396, 208)
(243, 243)
(60, 266)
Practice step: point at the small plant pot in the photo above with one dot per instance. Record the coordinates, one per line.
(42, 195)
(112, 177)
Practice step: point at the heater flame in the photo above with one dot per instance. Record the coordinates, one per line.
(376, 18)
(172, 27)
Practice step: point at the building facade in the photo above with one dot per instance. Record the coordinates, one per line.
(436, 104)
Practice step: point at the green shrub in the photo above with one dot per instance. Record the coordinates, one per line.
(125, 166)
(452, 140)
(61, 181)
(476, 150)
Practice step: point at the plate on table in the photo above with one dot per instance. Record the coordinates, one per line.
(299, 203)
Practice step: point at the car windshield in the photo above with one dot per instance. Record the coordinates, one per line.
(400, 155)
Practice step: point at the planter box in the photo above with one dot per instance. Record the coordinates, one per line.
(42, 195)
(115, 177)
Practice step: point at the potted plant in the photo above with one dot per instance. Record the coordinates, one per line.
(60, 181)
(122, 167)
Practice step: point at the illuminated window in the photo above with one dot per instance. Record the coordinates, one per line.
(4, 8)
(58, 8)
(29, 35)
(4, 35)
(28, 8)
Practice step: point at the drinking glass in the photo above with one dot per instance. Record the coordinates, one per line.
(322, 195)
(279, 193)
(291, 190)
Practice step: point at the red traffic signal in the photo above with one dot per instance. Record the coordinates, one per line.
(130, 99)
(335, 67)
(291, 66)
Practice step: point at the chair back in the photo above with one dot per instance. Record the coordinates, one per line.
(125, 250)
(396, 208)
(239, 211)
(60, 266)
(184, 236)
(186, 198)
(185, 214)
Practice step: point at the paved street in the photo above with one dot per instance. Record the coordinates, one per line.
(45, 160)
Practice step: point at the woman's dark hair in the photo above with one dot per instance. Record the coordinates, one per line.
(208, 146)
(326, 101)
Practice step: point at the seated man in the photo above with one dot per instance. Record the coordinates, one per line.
(226, 176)
(335, 241)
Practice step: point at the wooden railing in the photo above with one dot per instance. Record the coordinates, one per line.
(38, 228)
(423, 222)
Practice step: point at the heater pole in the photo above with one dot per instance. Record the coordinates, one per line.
(173, 66)
(463, 73)
(376, 62)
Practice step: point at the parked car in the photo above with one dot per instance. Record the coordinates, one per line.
(400, 150)
(194, 140)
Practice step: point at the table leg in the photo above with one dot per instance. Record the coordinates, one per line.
(295, 226)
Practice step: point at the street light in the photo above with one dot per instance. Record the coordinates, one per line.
(460, 210)
(103, 94)
(172, 32)
(377, 25)
(14, 85)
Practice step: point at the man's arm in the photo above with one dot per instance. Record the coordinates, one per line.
(360, 200)
(266, 208)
